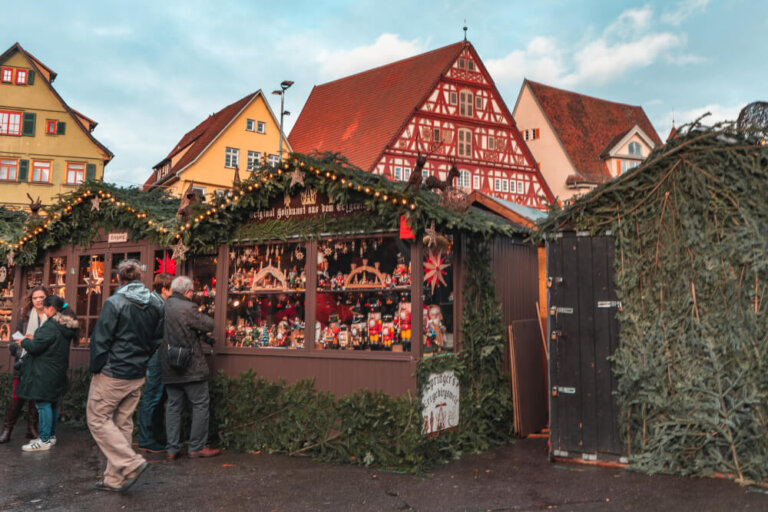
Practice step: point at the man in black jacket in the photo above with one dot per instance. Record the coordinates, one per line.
(123, 340)
(185, 326)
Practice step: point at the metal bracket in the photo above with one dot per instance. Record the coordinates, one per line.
(555, 334)
(553, 280)
(605, 304)
(554, 310)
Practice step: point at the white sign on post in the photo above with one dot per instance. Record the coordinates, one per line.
(440, 403)
(116, 238)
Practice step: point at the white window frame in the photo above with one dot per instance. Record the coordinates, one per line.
(406, 173)
(9, 169)
(7, 75)
(273, 160)
(21, 73)
(635, 145)
(202, 191)
(424, 173)
(476, 182)
(41, 168)
(253, 160)
(231, 157)
(466, 103)
(497, 184)
(464, 178)
(10, 123)
(398, 175)
(504, 186)
(520, 187)
(250, 125)
(261, 127)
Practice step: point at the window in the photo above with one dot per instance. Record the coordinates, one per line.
(10, 123)
(461, 63)
(254, 160)
(232, 157)
(531, 134)
(250, 125)
(476, 182)
(273, 160)
(453, 98)
(497, 184)
(635, 149)
(202, 191)
(465, 142)
(463, 179)
(478, 103)
(628, 164)
(470, 65)
(8, 169)
(41, 171)
(436, 134)
(262, 127)
(424, 173)
(406, 174)
(491, 142)
(398, 174)
(465, 103)
(520, 187)
(504, 186)
(21, 77)
(6, 75)
(75, 173)
(50, 127)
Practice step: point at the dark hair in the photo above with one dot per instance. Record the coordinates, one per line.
(60, 305)
(162, 281)
(28, 301)
(129, 270)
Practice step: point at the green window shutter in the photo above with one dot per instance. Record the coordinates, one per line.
(30, 77)
(61, 128)
(90, 172)
(28, 124)
(23, 170)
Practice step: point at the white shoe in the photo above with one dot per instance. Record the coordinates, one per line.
(52, 440)
(37, 445)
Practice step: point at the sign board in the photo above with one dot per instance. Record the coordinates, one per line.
(116, 238)
(307, 203)
(440, 403)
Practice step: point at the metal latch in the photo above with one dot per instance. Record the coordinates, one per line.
(564, 390)
(610, 304)
(554, 310)
(553, 280)
(555, 334)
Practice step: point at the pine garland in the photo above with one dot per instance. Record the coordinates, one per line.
(691, 238)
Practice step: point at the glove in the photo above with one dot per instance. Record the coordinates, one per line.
(14, 348)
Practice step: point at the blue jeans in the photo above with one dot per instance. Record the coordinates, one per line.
(151, 429)
(48, 416)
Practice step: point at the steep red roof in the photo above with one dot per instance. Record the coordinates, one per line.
(359, 115)
(199, 137)
(586, 126)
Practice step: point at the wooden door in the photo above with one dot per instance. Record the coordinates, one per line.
(583, 333)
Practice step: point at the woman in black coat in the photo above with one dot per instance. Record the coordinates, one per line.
(30, 318)
(44, 370)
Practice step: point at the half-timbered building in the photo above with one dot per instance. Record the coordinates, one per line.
(442, 103)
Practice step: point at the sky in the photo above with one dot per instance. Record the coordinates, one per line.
(150, 71)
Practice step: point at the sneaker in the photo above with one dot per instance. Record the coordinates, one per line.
(37, 445)
(52, 440)
(205, 452)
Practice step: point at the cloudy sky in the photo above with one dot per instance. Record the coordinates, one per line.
(149, 71)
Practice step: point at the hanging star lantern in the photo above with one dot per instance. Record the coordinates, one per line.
(96, 203)
(434, 269)
(297, 177)
(178, 251)
(94, 284)
(166, 265)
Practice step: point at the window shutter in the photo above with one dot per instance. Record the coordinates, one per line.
(30, 77)
(61, 128)
(23, 170)
(90, 172)
(28, 124)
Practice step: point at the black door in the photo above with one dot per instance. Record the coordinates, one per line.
(583, 332)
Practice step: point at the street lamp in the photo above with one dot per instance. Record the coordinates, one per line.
(284, 85)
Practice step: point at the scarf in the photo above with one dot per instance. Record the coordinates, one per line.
(34, 321)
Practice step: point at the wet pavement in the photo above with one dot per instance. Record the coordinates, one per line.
(513, 477)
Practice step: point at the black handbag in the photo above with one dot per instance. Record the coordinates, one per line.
(179, 356)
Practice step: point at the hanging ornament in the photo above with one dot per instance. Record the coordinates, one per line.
(344, 249)
(95, 277)
(10, 256)
(299, 254)
(96, 203)
(297, 177)
(178, 251)
(327, 251)
(166, 265)
(434, 269)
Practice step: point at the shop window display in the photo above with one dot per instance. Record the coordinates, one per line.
(57, 275)
(438, 296)
(90, 288)
(265, 306)
(6, 301)
(363, 295)
(204, 277)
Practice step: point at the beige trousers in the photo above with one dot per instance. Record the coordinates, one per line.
(111, 403)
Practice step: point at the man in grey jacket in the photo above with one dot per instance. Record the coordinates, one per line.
(122, 342)
(185, 326)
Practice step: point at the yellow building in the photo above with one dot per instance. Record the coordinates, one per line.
(46, 147)
(234, 140)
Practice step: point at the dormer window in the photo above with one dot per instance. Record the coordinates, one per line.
(21, 76)
(635, 148)
(6, 75)
(465, 103)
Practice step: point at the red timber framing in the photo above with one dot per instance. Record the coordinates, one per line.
(495, 161)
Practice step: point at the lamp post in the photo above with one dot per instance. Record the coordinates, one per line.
(284, 85)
